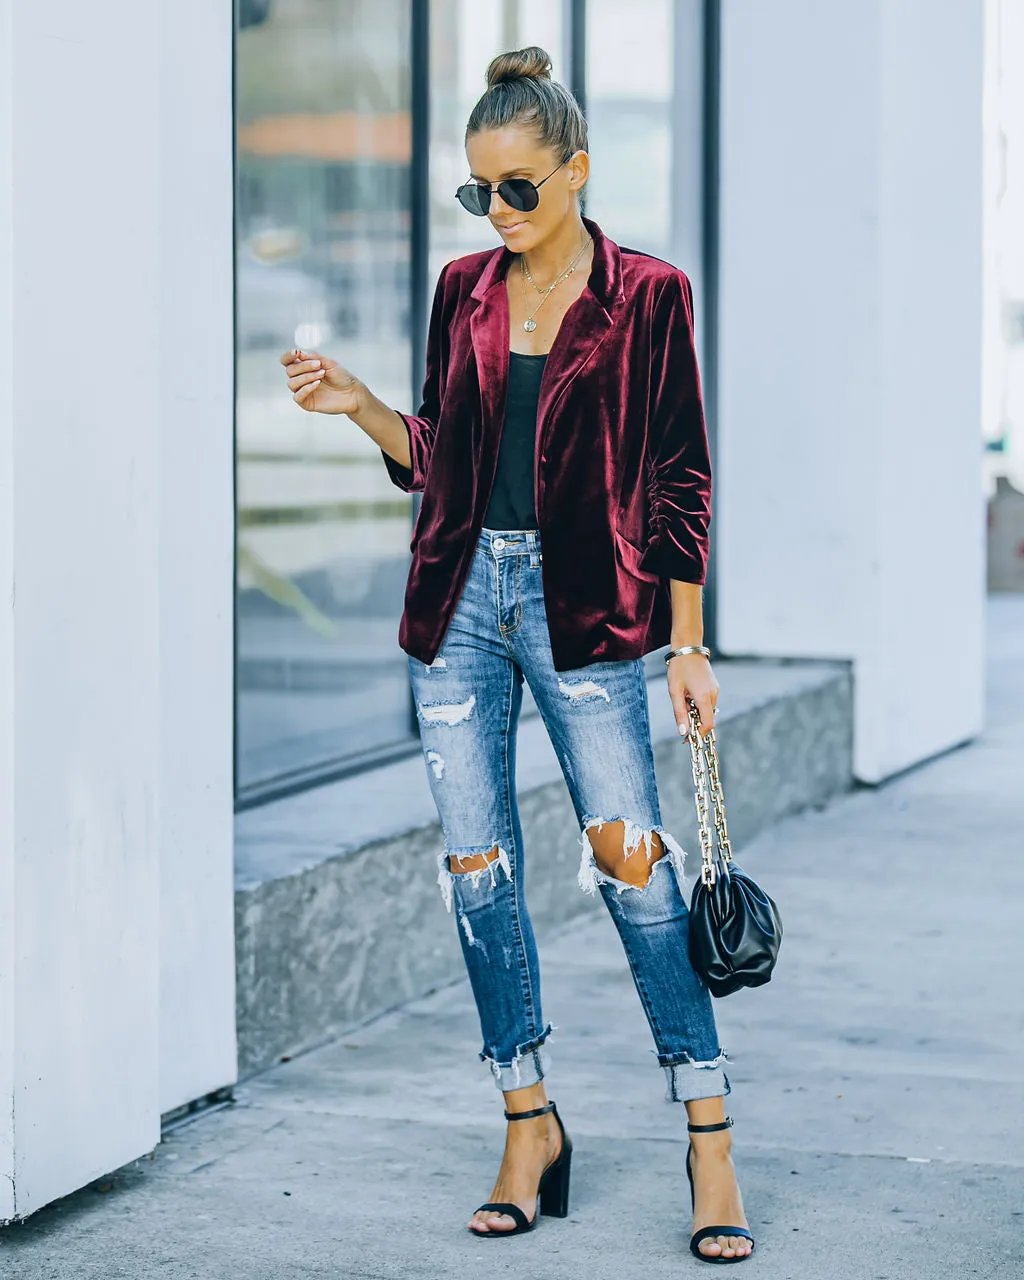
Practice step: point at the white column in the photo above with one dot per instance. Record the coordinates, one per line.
(115, 584)
(196, 571)
(851, 521)
(83, 652)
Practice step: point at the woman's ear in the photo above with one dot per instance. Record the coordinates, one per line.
(579, 170)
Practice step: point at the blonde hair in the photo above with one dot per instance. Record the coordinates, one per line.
(520, 91)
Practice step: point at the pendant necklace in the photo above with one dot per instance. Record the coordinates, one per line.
(529, 324)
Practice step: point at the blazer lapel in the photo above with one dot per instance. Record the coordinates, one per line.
(585, 325)
(488, 327)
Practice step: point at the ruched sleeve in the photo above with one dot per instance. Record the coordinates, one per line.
(422, 425)
(679, 455)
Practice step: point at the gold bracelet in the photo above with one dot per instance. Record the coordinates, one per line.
(687, 648)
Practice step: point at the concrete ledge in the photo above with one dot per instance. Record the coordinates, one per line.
(338, 913)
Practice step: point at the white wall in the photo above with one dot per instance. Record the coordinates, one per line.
(6, 626)
(1003, 401)
(849, 510)
(115, 553)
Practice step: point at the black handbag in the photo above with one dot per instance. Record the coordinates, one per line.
(735, 927)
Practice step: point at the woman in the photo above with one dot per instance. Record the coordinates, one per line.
(563, 460)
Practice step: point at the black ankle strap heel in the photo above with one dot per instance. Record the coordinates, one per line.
(707, 1233)
(552, 1191)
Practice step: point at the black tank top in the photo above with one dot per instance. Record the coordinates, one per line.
(512, 504)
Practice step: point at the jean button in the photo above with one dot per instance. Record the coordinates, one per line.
(498, 544)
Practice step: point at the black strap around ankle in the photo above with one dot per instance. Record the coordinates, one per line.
(710, 1128)
(529, 1115)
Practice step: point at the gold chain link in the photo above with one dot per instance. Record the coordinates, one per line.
(708, 795)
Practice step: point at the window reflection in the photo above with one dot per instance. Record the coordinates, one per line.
(323, 222)
(629, 106)
(465, 36)
(645, 91)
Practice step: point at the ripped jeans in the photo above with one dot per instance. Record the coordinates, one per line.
(468, 702)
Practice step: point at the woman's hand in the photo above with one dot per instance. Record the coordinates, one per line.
(690, 679)
(321, 385)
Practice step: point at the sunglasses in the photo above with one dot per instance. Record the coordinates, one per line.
(518, 193)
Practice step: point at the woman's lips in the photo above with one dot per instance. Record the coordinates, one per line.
(508, 227)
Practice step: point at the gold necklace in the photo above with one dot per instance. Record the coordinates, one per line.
(529, 324)
(569, 270)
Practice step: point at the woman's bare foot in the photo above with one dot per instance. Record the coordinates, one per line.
(530, 1146)
(717, 1194)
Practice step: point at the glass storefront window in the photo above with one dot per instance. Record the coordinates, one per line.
(629, 107)
(323, 233)
(464, 36)
(645, 105)
(324, 216)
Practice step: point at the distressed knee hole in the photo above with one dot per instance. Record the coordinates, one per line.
(615, 847)
(472, 861)
(621, 852)
(469, 868)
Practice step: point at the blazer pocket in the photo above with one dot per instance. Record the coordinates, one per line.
(630, 557)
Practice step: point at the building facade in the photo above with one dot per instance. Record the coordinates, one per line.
(202, 584)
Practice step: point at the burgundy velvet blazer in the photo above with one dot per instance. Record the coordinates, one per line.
(622, 471)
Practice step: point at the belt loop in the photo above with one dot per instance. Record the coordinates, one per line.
(532, 541)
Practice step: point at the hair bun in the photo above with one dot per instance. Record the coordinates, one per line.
(531, 63)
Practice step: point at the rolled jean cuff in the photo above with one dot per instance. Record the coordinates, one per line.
(686, 1080)
(531, 1063)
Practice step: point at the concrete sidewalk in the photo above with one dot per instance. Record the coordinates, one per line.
(877, 1083)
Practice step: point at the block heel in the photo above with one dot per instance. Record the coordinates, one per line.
(554, 1184)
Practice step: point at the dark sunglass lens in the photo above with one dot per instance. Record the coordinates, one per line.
(475, 198)
(519, 193)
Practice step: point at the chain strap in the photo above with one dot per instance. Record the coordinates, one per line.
(708, 797)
